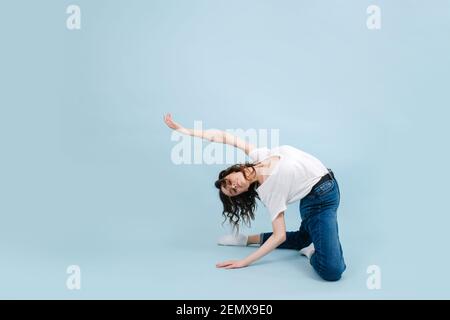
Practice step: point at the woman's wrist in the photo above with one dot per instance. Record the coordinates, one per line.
(184, 130)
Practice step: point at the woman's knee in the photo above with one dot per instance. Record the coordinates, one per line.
(332, 271)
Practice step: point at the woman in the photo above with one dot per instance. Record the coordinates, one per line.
(278, 177)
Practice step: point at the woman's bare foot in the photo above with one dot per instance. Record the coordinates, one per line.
(253, 239)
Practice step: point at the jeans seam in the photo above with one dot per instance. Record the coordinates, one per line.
(318, 258)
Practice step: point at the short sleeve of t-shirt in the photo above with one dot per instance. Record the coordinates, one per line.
(258, 154)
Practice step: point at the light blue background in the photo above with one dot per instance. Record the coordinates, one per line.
(85, 171)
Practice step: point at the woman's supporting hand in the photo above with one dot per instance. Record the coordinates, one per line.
(232, 264)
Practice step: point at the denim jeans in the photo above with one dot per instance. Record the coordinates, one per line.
(318, 211)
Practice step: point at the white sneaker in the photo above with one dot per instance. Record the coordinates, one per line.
(308, 251)
(233, 240)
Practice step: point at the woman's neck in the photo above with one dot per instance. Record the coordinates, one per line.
(258, 174)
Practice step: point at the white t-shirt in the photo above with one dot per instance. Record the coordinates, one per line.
(290, 180)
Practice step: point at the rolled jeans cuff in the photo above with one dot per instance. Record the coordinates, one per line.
(261, 238)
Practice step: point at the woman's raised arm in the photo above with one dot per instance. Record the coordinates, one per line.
(211, 135)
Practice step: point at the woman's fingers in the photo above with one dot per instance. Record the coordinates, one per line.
(221, 264)
(169, 122)
(224, 264)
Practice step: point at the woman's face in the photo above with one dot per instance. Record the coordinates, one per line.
(235, 183)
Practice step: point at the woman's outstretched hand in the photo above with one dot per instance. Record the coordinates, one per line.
(232, 264)
(211, 135)
(170, 123)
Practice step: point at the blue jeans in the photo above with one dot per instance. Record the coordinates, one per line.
(318, 211)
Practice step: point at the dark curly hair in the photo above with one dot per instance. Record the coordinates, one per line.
(242, 206)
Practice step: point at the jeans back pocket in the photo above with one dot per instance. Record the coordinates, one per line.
(324, 187)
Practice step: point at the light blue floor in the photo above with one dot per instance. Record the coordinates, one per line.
(86, 176)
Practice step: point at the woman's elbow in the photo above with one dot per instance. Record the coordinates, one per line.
(280, 237)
